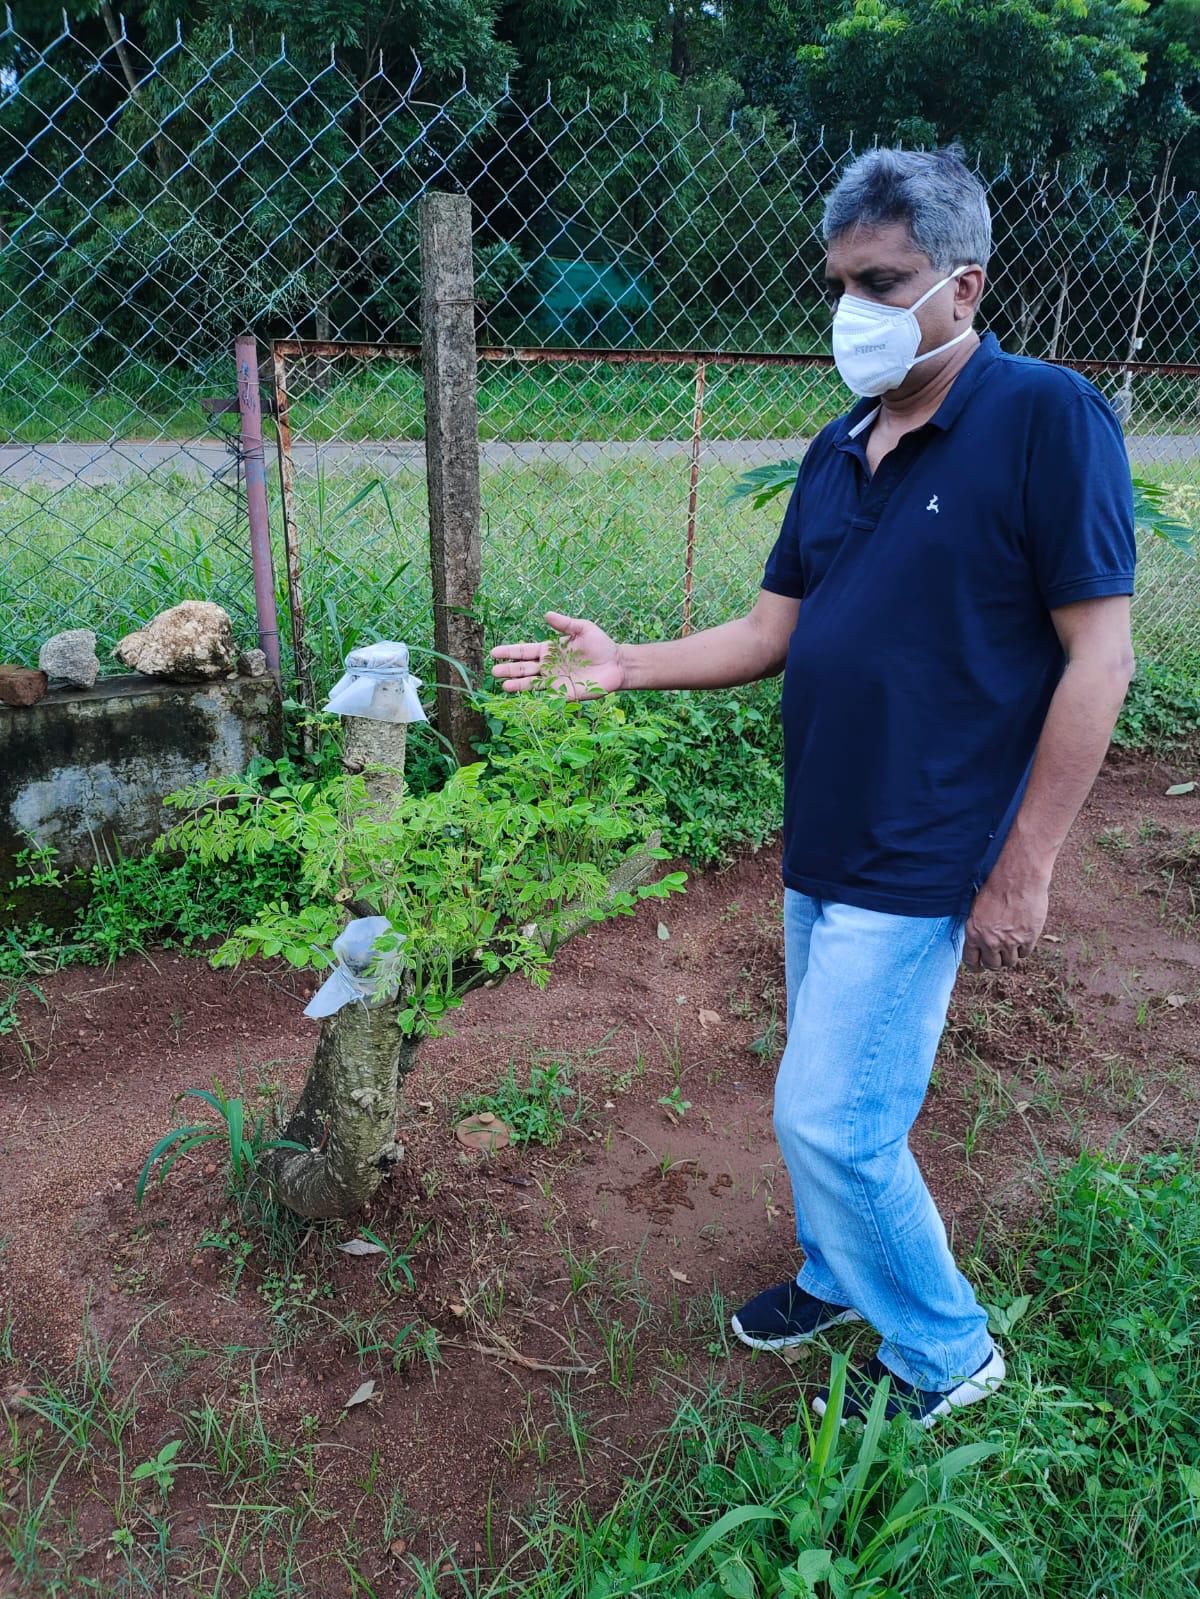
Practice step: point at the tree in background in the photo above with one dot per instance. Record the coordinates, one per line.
(248, 185)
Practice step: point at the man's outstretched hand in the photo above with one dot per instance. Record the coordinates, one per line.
(582, 662)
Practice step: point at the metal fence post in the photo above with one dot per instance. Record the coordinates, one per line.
(452, 456)
(250, 411)
(689, 559)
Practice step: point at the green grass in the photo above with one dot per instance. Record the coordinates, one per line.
(536, 1112)
(44, 401)
(604, 540)
(607, 540)
(353, 400)
(1080, 1477)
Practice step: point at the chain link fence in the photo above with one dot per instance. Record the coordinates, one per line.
(639, 278)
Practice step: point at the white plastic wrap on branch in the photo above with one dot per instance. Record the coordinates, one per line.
(355, 950)
(378, 685)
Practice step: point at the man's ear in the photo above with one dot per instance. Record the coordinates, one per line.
(968, 293)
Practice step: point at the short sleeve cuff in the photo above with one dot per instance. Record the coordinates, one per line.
(1089, 588)
(780, 585)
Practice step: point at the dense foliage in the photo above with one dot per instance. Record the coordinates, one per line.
(479, 878)
(231, 179)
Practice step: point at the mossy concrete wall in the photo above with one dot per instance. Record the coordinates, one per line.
(85, 768)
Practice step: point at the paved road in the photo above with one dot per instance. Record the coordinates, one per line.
(64, 464)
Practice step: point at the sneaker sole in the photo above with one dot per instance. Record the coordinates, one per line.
(793, 1340)
(979, 1386)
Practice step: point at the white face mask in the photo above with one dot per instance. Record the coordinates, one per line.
(875, 346)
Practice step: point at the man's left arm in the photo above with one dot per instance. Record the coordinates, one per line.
(1009, 912)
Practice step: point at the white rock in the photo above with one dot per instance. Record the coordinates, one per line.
(190, 643)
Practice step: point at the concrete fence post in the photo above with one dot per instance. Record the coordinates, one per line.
(452, 457)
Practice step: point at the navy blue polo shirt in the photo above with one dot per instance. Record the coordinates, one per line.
(924, 657)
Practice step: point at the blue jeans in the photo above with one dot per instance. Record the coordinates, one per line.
(867, 996)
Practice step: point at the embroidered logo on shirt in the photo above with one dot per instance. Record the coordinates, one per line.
(934, 506)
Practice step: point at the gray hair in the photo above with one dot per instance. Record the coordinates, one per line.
(941, 202)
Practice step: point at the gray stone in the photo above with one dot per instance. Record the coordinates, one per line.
(190, 643)
(252, 663)
(71, 657)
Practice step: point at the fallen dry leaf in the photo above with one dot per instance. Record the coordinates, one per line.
(1176, 1000)
(361, 1394)
(457, 1309)
(678, 1276)
(360, 1246)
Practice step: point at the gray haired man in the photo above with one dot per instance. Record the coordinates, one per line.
(948, 601)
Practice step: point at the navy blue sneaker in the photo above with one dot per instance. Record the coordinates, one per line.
(921, 1405)
(781, 1318)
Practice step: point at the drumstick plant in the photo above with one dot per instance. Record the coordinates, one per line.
(480, 880)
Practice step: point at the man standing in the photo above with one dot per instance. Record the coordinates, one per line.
(948, 600)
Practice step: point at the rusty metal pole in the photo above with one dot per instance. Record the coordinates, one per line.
(694, 474)
(250, 410)
(448, 364)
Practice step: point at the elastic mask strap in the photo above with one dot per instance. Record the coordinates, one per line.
(949, 345)
(929, 293)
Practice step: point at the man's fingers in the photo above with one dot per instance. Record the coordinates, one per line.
(516, 669)
(518, 652)
(563, 624)
(979, 956)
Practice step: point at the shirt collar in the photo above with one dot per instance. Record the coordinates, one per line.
(856, 422)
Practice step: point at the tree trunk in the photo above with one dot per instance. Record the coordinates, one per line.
(376, 749)
(116, 36)
(637, 867)
(346, 1116)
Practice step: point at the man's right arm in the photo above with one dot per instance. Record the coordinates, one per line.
(587, 663)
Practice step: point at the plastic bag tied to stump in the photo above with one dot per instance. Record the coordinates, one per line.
(361, 973)
(378, 685)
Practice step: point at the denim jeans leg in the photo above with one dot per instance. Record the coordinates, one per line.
(864, 1031)
(800, 914)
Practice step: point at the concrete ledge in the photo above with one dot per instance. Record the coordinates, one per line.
(88, 767)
